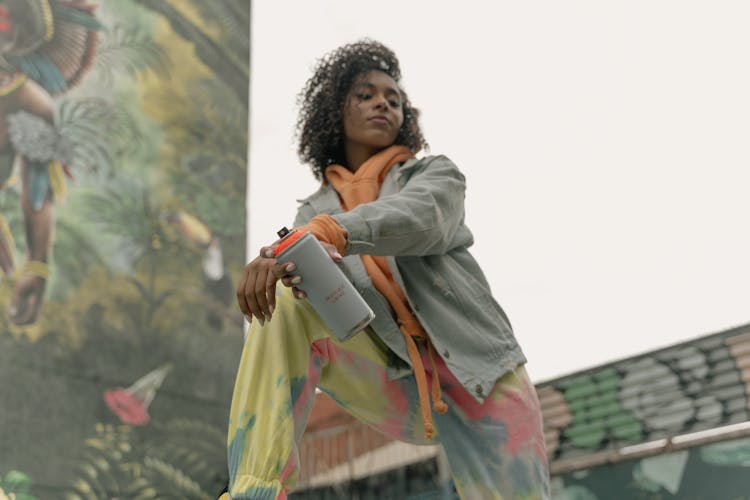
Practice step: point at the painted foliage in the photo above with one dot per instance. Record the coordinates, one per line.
(123, 139)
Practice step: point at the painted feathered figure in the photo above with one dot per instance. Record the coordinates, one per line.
(46, 47)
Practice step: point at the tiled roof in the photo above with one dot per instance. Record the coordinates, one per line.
(688, 387)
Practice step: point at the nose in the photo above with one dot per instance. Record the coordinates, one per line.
(381, 102)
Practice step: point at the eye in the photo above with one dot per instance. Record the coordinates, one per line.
(394, 104)
(363, 97)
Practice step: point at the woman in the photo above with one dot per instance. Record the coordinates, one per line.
(395, 224)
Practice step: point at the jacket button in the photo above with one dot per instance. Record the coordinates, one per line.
(479, 390)
(446, 354)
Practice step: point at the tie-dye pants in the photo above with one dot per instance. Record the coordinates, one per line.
(495, 449)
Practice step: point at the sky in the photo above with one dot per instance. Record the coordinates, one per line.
(606, 147)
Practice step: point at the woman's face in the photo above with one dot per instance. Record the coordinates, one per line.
(373, 113)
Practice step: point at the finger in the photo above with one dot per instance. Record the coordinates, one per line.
(252, 300)
(261, 298)
(271, 291)
(333, 252)
(291, 280)
(300, 294)
(281, 270)
(267, 252)
(241, 298)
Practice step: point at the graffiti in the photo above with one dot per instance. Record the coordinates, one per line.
(596, 412)
(686, 388)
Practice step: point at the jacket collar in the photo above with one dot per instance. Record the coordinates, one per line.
(326, 196)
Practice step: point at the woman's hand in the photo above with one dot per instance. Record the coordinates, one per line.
(256, 292)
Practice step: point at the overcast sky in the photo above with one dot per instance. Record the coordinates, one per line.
(606, 147)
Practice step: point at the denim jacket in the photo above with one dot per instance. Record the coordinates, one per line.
(418, 224)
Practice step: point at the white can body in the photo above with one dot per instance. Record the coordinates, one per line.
(330, 293)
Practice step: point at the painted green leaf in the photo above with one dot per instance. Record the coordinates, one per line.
(17, 482)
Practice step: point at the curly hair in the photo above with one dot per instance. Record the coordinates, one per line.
(320, 122)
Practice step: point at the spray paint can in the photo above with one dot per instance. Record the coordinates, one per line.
(330, 293)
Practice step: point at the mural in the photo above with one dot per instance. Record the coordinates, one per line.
(123, 139)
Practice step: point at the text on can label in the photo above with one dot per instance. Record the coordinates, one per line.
(335, 295)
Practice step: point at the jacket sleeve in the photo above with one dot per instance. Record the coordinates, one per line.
(424, 218)
(304, 214)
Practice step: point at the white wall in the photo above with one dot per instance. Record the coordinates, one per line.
(605, 146)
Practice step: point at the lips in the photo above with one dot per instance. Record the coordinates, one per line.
(380, 119)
